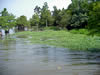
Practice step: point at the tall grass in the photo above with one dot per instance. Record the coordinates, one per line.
(80, 31)
(64, 39)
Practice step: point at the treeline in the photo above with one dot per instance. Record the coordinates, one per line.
(79, 14)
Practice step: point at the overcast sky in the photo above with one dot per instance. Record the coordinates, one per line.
(26, 7)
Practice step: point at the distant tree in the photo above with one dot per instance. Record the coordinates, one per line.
(22, 22)
(65, 16)
(56, 16)
(61, 17)
(35, 21)
(7, 20)
(4, 12)
(46, 17)
(37, 10)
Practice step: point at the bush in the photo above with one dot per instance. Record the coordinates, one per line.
(83, 31)
(74, 31)
(80, 31)
(51, 28)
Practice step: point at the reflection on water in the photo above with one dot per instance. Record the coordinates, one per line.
(20, 58)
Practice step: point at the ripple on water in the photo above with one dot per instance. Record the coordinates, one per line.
(19, 58)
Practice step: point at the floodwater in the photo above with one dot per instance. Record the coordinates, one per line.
(19, 57)
(11, 31)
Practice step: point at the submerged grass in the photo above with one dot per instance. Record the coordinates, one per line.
(64, 39)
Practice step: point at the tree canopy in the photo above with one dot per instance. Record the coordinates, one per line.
(46, 17)
(94, 17)
(7, 20)
(22, 21)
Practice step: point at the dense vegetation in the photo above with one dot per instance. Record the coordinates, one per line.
(63, 39)
(7, 20)
(81, 14)
(81, 17)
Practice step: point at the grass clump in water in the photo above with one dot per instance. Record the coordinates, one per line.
(64, 39)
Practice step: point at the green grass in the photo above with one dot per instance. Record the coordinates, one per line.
(80, 31)
(63, 39)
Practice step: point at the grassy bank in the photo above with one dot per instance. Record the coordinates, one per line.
(62, 39)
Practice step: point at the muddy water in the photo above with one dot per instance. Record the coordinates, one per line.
(18, 57)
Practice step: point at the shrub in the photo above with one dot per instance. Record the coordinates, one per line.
(83, 31)
(80, 31)
(51, 28)
(74, 31)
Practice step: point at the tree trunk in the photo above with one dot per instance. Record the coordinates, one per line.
(37, 27)
(46, 23)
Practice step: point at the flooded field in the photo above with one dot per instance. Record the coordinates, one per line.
(19, 57)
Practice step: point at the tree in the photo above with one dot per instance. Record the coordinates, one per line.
(2, 21)
(22, 22)
(46, 17)
(79, 17)
(56, 16)
(37, 10)
(94, 17)
(7, 20)
(65, 16)
(4, 12)
(35, 21)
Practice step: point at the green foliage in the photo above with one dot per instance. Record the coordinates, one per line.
(65, 16)
(94, 17)
(56, 16)
(64, 39)
(74, 31)
(35, 20)
(61, 17)
(80, 31)
(51, 28)
(80, 14)
(83, 31)
(79, 17)
(4, 12)
(7, 20)
(37, 10)
(22, 21)
(2, 21)
(45, 17)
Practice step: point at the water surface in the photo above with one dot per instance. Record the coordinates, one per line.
(19, 57)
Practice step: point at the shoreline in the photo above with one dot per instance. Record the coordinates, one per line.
(63, 39)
